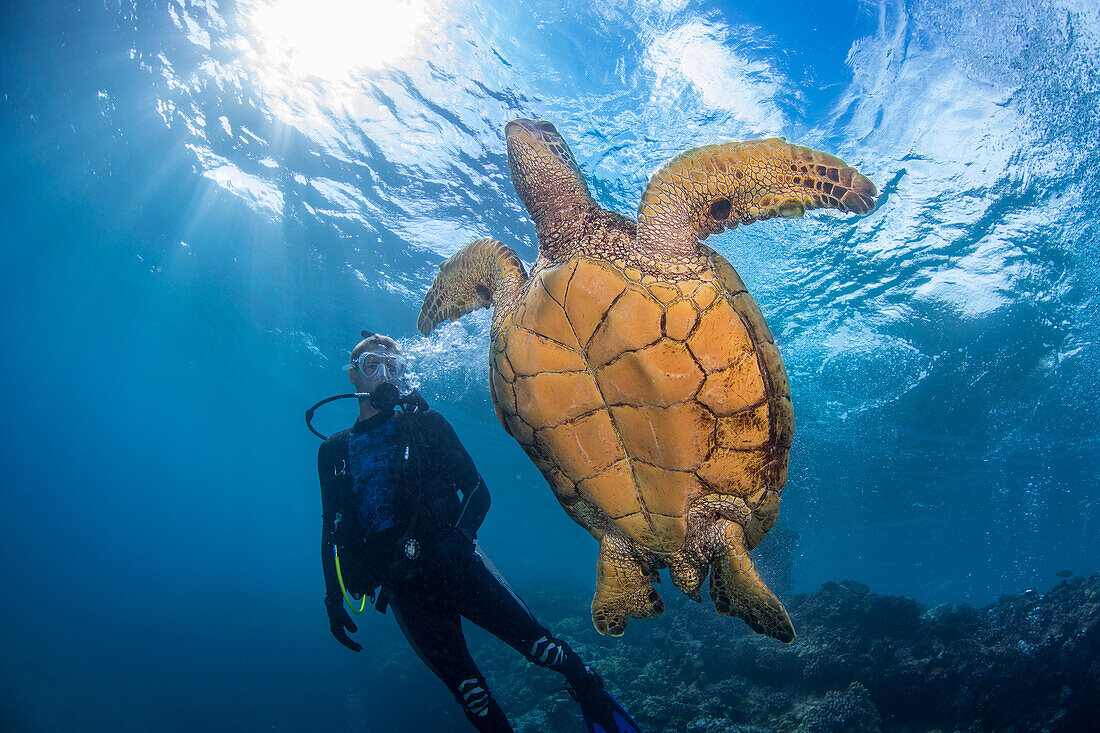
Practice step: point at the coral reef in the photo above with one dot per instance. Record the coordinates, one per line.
(862, 663)
(851, 711)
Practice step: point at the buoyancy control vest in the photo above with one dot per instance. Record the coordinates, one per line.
(391, 500)
(373, 509)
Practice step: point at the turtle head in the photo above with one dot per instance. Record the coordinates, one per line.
(545, 175)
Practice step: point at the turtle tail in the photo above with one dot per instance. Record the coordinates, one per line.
(472, 278)
(704, 190)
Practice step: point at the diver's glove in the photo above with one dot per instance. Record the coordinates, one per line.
(340, 623)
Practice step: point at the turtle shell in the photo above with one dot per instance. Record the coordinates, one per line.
(636, 396)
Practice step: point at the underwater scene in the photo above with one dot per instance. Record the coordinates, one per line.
(756, 344)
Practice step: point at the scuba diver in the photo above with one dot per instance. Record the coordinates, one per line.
(402, 502)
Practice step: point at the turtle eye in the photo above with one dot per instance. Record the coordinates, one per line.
(720, 210)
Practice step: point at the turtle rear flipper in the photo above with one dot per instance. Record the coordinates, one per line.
(738, 590)
(473, 277)
(623, 588)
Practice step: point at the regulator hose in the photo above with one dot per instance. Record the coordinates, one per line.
(343, 588)
(384, 398)
(310, 411)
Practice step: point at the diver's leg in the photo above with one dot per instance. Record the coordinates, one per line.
(486, 599)
(434, 630)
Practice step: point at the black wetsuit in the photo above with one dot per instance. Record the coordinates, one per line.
(428, 491)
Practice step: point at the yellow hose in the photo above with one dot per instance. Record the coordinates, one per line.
(347, 596)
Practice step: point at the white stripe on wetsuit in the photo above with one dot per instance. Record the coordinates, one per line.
(475, 698)
(504, 583)
(547, 652)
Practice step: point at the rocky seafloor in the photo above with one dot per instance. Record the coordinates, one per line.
(862, 662)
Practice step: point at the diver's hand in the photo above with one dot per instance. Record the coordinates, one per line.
(340, 623)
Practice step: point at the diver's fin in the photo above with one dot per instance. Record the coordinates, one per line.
(738, 590)
(602, 713)
(470, 279)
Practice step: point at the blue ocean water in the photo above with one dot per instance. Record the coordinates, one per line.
(205, 202)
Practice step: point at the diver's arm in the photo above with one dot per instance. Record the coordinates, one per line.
(456, 464)
(329, 490)
(339, 621)
(475, 505)
(328, 564)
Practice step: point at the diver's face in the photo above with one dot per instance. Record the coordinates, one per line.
(371, 368)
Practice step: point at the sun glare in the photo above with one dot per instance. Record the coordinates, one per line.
(331, 39)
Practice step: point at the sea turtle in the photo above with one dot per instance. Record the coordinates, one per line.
(637, 372)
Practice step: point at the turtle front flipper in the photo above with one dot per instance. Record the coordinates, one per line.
(704, 190)
(623, 588)
(735, 586)
(474, 277)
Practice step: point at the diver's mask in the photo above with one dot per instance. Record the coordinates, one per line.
(380, 364)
